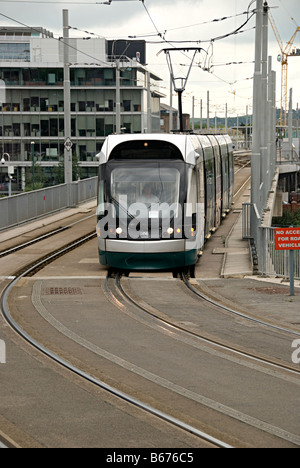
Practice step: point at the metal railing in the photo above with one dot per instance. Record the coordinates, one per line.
(275, 262)
(246, 213)
(271, 262)
(28, 206)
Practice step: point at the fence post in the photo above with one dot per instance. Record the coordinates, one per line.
(292, 273)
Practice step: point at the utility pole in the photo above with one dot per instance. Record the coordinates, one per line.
(265, 167)
(193, 115)
(118, 98)
(208, 119)
(290, 125)
(257, 104)
(149, 112)
(182, 80)
(201, 116)
(67, 101)
(297, 133)
(171, 106)
(247, 124)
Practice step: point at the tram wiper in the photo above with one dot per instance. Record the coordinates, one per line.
(123, 208)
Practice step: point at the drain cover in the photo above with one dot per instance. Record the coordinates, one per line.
(63, 291)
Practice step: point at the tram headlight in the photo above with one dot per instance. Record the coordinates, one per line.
(119, 231)
(170, 231)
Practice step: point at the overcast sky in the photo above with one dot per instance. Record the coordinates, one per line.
(180, 20)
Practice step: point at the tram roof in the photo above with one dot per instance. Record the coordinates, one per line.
(184, 142)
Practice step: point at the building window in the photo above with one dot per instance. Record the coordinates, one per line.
(13, 52)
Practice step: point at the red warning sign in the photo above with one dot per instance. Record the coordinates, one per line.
(287, 238)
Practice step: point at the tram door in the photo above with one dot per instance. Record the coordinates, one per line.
(230, 170)
(210, 190)
(218, 180)
(200, 200)
(225, 174)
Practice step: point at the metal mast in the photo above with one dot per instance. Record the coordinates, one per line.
(180, 82)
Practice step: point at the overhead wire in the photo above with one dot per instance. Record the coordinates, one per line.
(147, 11)
(63, 2)
(214, 39)
(151, 34)
(56, 39)
(162, 35)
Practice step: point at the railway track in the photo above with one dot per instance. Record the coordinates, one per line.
(141, 309)
(15, 245)
(139, 303)
(194, 287)
(121, 294)
(31, 270)
(121, 298)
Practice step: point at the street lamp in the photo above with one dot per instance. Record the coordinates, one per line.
(10, 171)
(32, 158)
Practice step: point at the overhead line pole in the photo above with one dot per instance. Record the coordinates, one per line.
(183, 81)
(257, 103)
(264, 122)
(67, 102)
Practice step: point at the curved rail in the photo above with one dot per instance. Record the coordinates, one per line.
(257, 320)
(215, 342)
(138, 403)
(137, 309)
(16, 248)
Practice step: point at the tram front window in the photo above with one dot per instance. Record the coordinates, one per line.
(145, 184)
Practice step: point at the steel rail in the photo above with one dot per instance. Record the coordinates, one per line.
(66, 364)
(16, 248)
(214, 342)
(235, 312)
(163, 324)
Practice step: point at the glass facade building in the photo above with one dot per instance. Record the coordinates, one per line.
(32, 100)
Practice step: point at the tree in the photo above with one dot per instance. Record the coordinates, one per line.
(40, 178)
(59, 172)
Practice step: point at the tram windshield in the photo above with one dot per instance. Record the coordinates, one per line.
(147, 183)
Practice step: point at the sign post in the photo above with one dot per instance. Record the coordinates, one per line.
(288, 239)
(292, 274)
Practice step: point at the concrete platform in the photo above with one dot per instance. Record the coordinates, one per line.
(237, 258)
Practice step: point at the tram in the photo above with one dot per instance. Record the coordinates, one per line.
(160, 196)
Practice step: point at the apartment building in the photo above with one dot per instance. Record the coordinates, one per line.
(32, 97)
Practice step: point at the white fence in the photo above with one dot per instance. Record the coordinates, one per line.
(27, 206)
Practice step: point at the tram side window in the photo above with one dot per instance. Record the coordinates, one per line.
(210, 188)
(225, 159)
(101, 195)
(191, 208)
(210, 172)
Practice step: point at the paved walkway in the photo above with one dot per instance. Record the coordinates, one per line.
(22, 229)
(237, 258)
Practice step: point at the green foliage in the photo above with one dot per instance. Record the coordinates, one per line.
(288, 219)
(39, 179)
(59, 172)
